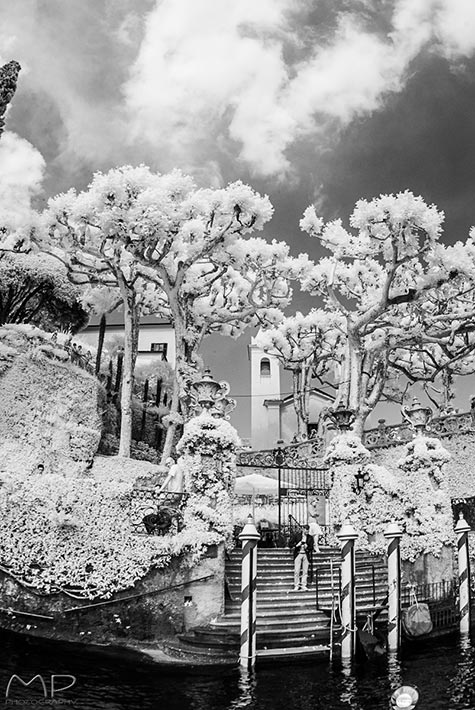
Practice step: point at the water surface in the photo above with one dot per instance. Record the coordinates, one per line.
(443, 671)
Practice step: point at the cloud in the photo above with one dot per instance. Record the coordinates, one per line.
(210, 86)
(21, 174)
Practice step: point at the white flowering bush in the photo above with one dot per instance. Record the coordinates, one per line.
(75, 535)
(208, 450)
(424, 494)
(208, 436)
(346, 448)
(369, 510)
(415, 495)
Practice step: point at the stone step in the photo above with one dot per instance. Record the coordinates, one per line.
(322, 574)
(200, 654)
(286, 585)
(223, 638)
(288, 652)
(279, 614)
(276, 625)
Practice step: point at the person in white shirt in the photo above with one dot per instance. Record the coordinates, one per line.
(173, 483)
(315, 531)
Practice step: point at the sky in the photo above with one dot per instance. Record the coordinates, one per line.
(321, 101)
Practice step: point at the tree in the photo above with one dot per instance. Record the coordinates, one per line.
(175, 250)
(88, 232)
(101, 301)
(309, 346)
(8, 81)
(406, 299)
(193, 244)
(35, 288)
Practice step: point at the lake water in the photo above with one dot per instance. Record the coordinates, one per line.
(443, 671)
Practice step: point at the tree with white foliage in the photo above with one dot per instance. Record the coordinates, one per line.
(35, 289)
(406, 299)
(88, 232)
(175, 250)
(194, 245)
(309, 346)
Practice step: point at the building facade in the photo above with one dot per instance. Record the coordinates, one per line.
(273, 415)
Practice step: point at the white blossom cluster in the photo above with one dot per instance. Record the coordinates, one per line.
(415, 495)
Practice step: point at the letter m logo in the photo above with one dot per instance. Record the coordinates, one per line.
(26, 684)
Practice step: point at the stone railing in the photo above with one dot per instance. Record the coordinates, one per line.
(309, 454)
(440, 427)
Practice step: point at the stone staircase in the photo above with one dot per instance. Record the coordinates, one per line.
(289, 624)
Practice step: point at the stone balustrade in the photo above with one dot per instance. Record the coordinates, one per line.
(309, 453)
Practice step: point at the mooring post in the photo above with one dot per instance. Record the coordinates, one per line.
(249, 537)
(462, 529)
(393, 534)
(347, 537)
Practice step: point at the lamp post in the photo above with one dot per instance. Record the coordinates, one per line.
(417, 415)
(361, 477)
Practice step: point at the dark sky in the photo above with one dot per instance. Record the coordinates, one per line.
(306, 100)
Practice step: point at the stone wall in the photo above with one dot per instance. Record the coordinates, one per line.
(138, 618)
(50, 414)
(460, 471)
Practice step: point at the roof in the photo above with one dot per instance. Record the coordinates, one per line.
(289, 398)
(116, 318)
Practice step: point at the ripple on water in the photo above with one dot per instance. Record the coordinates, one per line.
(443, 672)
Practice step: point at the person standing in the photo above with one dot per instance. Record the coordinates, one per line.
(173, 482)
(302, 549)
(315, 531)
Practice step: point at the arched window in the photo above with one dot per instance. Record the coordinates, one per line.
(265, 367)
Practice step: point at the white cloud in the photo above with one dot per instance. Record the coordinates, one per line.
(206, 84)
(21, 173)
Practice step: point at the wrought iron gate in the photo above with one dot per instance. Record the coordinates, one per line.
(303, 482)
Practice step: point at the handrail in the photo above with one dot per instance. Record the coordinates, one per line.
(295, 520)
(136, 596)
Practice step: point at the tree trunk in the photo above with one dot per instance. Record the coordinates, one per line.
(100, 341)
(172, 427)
(131, 332)
(296, 382)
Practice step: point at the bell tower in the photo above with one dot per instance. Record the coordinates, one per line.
(265, 398)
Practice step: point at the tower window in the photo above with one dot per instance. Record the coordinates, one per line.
(265, 367)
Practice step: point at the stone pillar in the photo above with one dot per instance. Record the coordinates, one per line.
(393, 534)
(462, 529)
(347, 537)
(249, 537)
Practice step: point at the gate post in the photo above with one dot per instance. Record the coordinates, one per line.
(461, 529)
(393, 534)
(347, 537)
(249, 537)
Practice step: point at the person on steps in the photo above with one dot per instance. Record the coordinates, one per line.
(302, 549)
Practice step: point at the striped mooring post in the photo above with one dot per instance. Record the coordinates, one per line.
(249, 537)
(393, 534)
(462, 529)
(347, 537)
